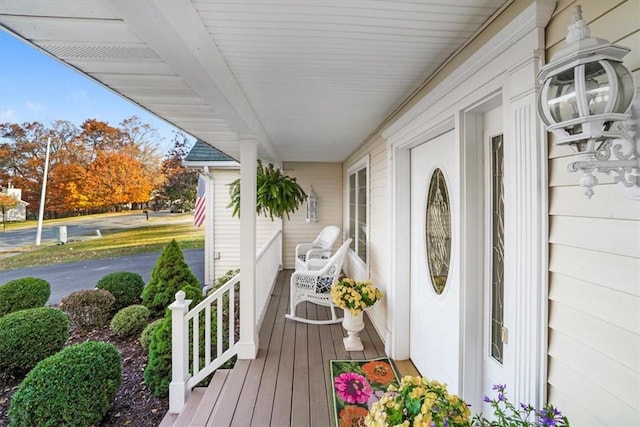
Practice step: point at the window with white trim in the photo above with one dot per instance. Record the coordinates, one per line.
(358, 182)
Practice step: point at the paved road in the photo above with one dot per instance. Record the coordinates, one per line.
(83, 227)
(68, 277)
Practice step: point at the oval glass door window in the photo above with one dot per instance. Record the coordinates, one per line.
(438, 231)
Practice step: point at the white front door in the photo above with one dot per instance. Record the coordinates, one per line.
(435, 267)
(438, 259)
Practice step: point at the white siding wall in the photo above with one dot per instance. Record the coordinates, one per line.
(594, 254)
(227, 228)
(376, 149)
(326, 180)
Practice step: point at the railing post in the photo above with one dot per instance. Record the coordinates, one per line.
(178, 390)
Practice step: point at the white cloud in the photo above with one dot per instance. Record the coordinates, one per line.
(8, 115)
(34, 107)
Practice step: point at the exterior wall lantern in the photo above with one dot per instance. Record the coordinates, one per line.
(586, 94)
(312, 207)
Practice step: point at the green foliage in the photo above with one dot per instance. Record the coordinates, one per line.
(506, 413)
(27, 292)
(276, 194)
(125, 287)
(130, 320)
(88, 308)
(28, 336)
(170, 275)
(145, 336)
(74, 388)
(157, 374)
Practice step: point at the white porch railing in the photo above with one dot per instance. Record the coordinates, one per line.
(268, 264)
(194, 354)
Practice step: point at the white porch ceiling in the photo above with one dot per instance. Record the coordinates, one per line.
(309, 79)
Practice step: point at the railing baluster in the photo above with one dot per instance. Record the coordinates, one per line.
(207, 335)
(219, 323)
(196, 339)
(232, 316)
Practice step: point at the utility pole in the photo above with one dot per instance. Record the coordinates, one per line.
(43, 194)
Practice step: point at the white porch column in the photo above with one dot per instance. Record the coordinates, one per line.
(209, 229)
(248, 344)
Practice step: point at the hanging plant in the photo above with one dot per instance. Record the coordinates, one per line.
(277, 194)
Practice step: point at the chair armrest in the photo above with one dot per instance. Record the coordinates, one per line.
(318, 253)
(302, 248)
(314, 264)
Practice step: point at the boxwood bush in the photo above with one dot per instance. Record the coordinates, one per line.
(28, 336)
(125, 287)
(130, 320)
(74, 387)
(88, 308)
(19, 294)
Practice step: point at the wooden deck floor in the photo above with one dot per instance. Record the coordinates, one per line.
(288, 383)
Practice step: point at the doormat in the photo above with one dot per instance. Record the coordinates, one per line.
(356, 385)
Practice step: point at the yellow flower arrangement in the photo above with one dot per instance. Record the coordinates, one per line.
(356, 296)
(418, 403)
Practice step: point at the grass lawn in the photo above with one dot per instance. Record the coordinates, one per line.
(113, 243)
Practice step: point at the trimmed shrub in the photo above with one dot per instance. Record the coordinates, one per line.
(28, 336)
(157, 373)
(125, 287)
(74, 387)
(88, 308)
(19, 294)
(145, 336)
(170, 274)
(130, 320)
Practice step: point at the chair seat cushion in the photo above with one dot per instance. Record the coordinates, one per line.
(324, 284)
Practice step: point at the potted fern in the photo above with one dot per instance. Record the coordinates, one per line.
(276, 194)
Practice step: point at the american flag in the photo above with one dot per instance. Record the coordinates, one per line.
(198, 216)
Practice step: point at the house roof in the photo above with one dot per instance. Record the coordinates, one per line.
(203, 152)
(309, 81)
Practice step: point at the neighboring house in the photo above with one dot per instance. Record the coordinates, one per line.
(541, 288)
(19, 213)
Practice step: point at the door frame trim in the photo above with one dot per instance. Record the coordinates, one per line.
(509, 69)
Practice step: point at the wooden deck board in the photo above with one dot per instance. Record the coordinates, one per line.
(289, 384)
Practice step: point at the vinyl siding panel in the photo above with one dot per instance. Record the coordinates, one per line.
(376, 149)
(594, 261)
(326, 180)
(227, 228)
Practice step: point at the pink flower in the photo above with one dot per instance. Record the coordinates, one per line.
(352, 388)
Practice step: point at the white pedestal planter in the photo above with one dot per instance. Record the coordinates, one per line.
(353, 325)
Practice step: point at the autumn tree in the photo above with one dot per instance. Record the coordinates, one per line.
(115, 179)
(24, 166)
(6, 202)
(180, 183)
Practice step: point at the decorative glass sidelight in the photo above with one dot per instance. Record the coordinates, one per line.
(497, 243)
(438, 231)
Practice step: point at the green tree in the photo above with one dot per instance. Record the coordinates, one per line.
(170, 275)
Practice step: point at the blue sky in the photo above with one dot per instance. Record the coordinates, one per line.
(36, 87)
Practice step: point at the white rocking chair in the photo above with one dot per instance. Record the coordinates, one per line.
(314, 282)
(320, 248)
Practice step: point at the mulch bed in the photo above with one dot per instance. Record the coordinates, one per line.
(134, 405)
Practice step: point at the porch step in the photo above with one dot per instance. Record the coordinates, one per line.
(200, 404)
